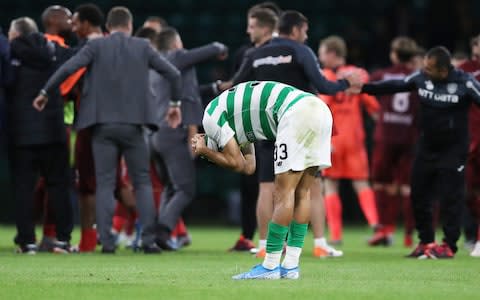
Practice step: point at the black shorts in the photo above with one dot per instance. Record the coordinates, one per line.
(264, 154)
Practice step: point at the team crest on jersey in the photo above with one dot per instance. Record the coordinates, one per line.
(452, 88)
(250, 136)
(429, 85)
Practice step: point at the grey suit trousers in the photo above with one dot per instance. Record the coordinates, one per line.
(171, 154)
(109, 142)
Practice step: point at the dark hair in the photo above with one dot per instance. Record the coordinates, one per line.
(442, 57)
(119, 16)
(51, 11)
(265, 18)
(266, 5)
(165, 38)
(157, 19)
(146, 33)
(290, 19)
(91, 13)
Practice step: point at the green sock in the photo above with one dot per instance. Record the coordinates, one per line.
(296, 234)
(275, 237)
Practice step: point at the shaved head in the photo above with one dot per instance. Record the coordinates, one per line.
(56, 19)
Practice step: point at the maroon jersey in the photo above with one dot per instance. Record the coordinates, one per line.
(473, 67)
(397, 115)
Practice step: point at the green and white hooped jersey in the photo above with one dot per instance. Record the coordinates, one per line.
(249, 111)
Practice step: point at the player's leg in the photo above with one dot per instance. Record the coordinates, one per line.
(24, 176)
(181, 182)
(317, 220)
(249, 194)
(333, 208)
(264, 214)
(299, 225)
(278, 227)
(407, 213)
(86, 190)
(264, 151)
(422, 183)
(56, 171)
(357, 162)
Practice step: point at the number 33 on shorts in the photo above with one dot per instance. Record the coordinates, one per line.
(280, 152)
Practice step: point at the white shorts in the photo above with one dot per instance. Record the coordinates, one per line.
(304, 137)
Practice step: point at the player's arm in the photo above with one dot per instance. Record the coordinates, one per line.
(188, 58)
(306, 58)
(167, 70)
(231, 157)
(391, 86)
(473, 87)
(370, 103)
(82, 59)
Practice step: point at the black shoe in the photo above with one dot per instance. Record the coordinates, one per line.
(61, 247)
(27, 249)
(163, 237)
(108, 250)
(152, 249)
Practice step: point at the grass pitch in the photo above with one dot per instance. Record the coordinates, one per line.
(204, 270)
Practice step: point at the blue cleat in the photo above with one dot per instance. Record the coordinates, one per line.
(259, 272)
(293, 273)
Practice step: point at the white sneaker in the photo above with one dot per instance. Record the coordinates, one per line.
(326, 251)
(476, 250)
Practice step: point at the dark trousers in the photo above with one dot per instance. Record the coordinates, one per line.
(51, 162)
(109, 142)
(447, 184)
(174, 162)
(249, 193)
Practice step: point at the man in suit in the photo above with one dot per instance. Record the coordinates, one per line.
(170, 147)
(115, 104)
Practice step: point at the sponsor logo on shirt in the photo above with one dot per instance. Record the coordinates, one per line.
(438, 97)
(272, 60)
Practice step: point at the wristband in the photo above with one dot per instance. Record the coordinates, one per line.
(175, 103)
(43, 93)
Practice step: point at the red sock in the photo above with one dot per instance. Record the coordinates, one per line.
(88, 240)
(120, 217)
(333, 206)
(392, 208)
(408, 218)
(130, 223)
(366, 197)
(49, 230)
(181, 228)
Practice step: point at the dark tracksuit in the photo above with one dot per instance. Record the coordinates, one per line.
(37, 139)
(439, 165)
(170, 147)
(288, 62)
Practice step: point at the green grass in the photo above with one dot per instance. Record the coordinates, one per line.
(203, 271)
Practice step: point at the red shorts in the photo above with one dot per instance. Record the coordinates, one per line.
(473, 166)
(84, 162)
(349, 160)
(392, 163)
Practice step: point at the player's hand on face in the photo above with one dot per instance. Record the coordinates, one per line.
(198, 143)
